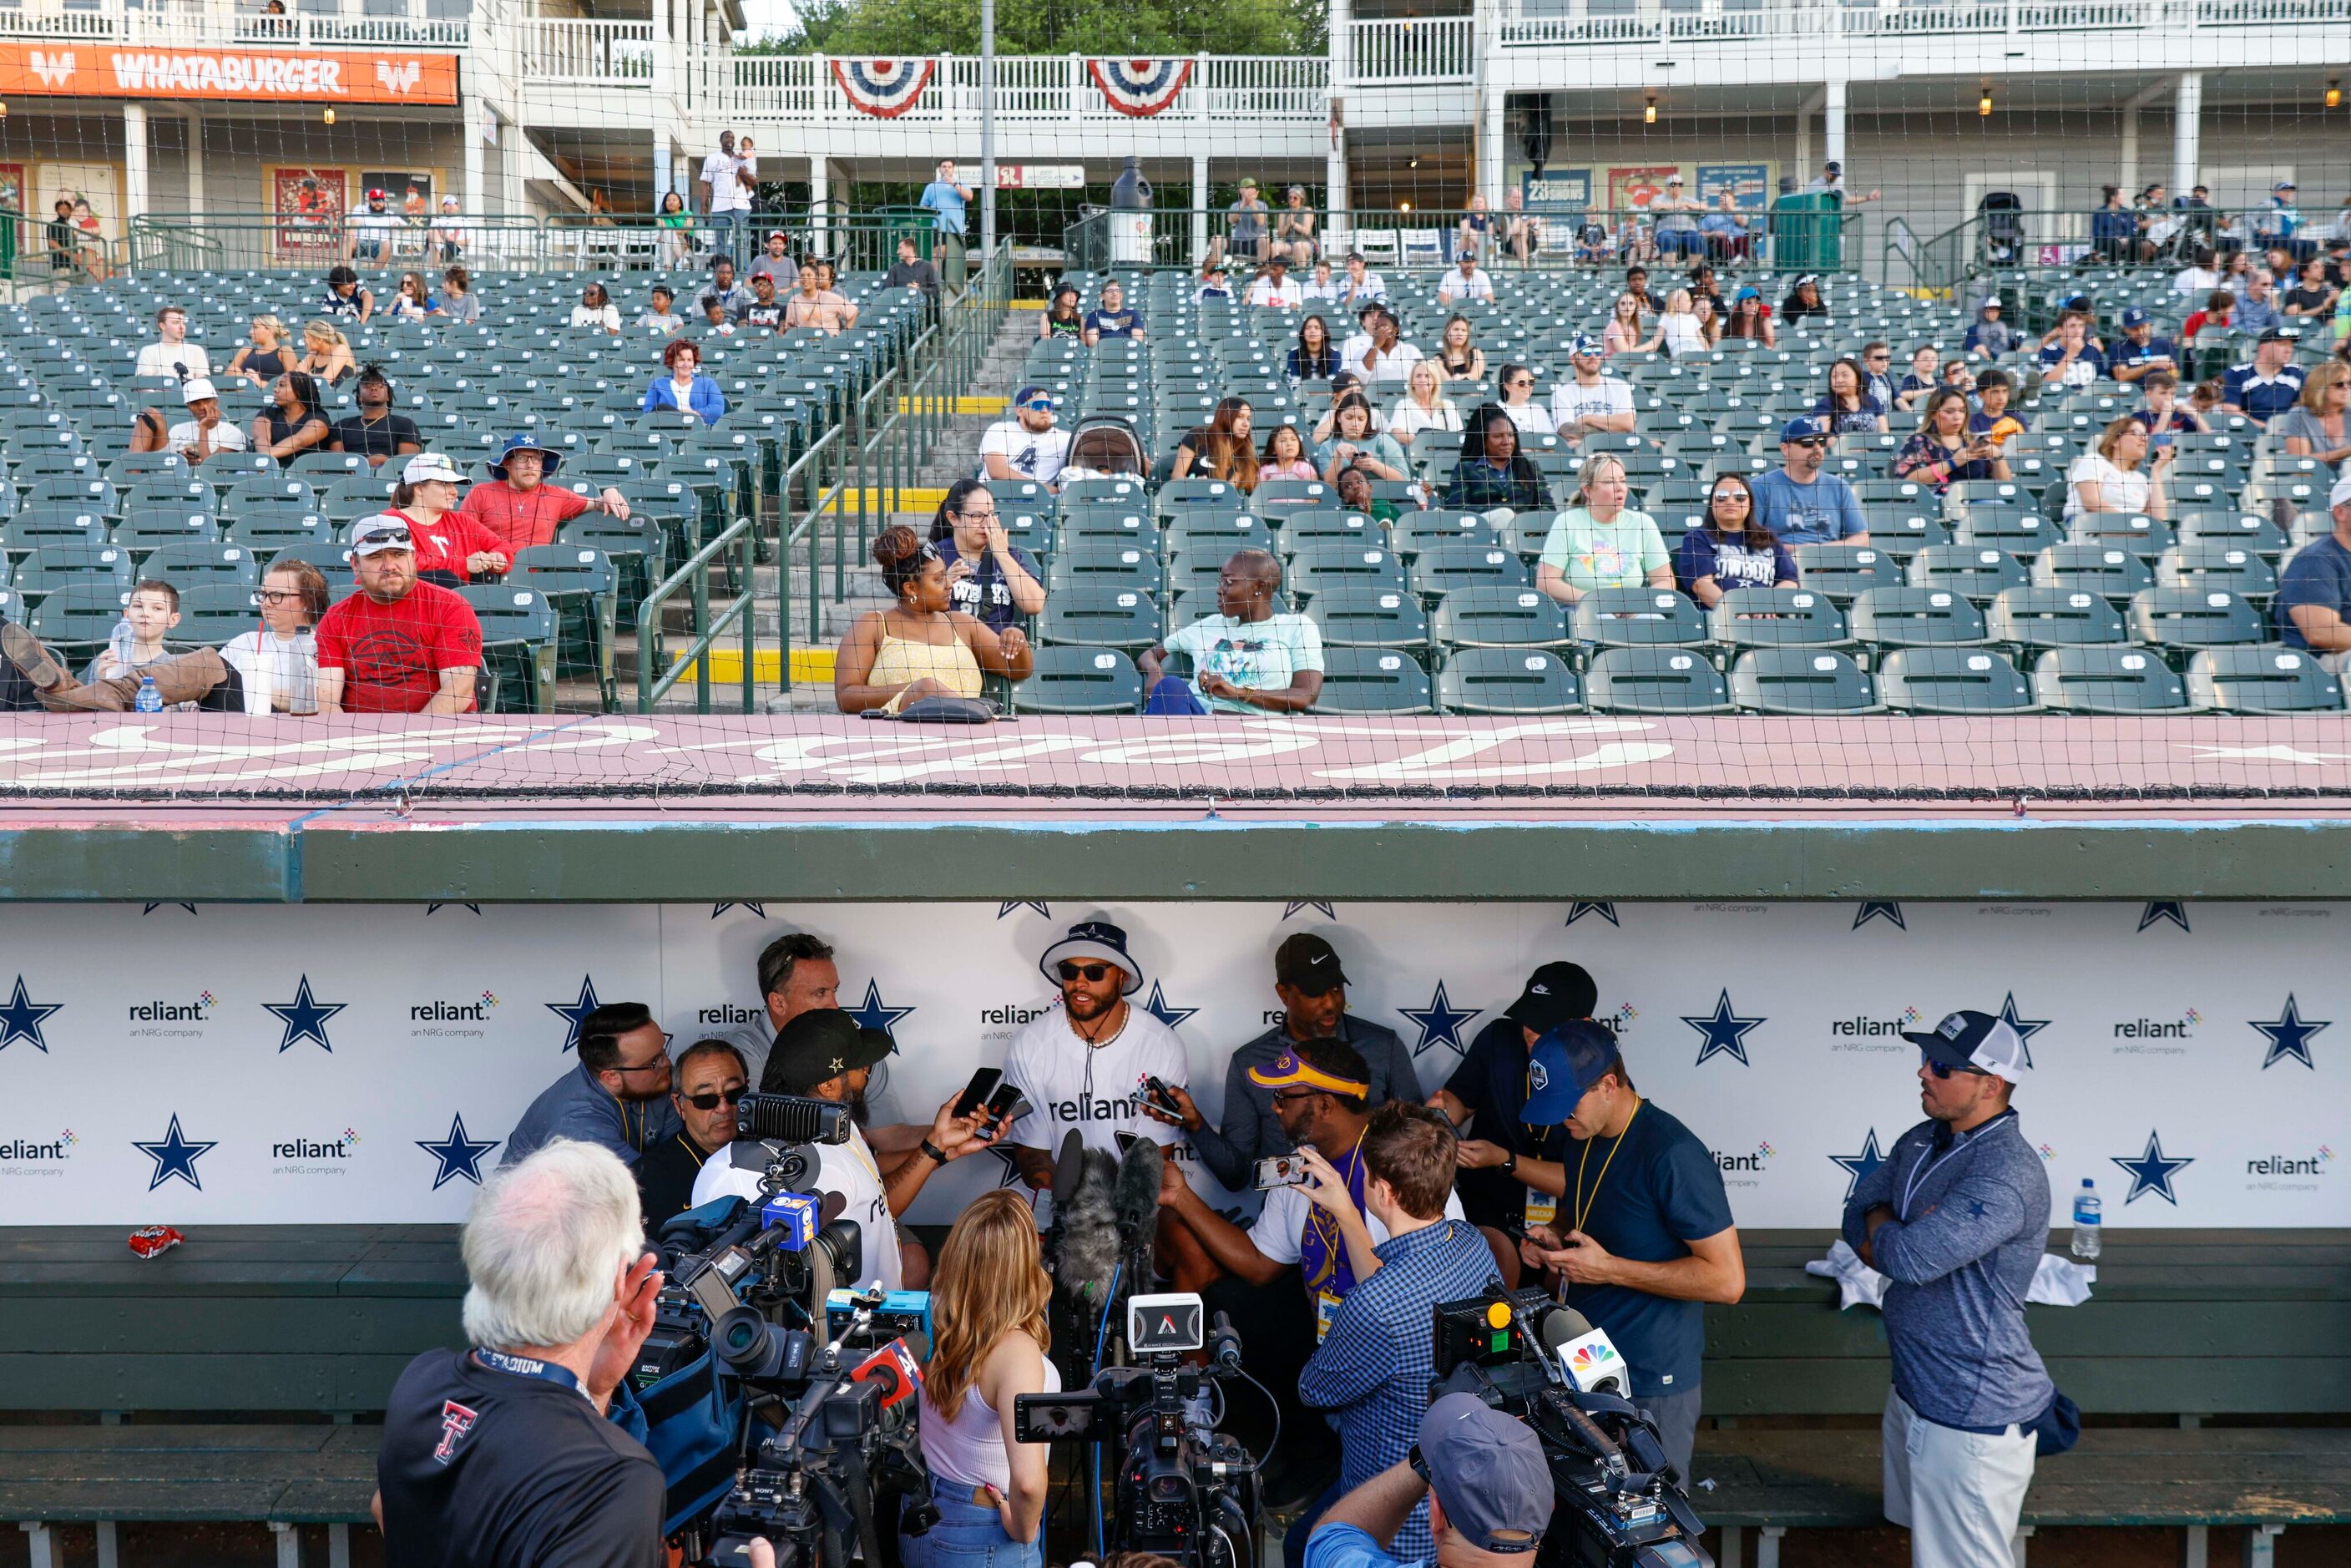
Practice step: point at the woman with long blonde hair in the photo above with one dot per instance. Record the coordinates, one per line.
(988, 1340)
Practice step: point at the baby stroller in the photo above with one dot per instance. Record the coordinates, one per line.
(1103, 446)
(2003, 228)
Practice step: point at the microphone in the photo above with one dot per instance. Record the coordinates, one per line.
(1135, 1196)
(896, 1369)
(1069, 1169)
(1224, 1344)
(1586, 1354)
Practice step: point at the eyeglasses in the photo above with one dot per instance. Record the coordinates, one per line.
(1085, 971)
(1294, 1095)
(1944, 1071)
(1733, 498)
(1810, 441)
(278, 595)
(714, 1098)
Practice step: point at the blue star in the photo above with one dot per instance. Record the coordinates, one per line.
(2173, 911)
(432, 909)
(459, 1155)
(1009, 904)
(718, 909)
(876, 1013)
(22, 1019)
(2289, 1035)
(1441, 1022)
(1860, 1167)
(1159, 1008)
(2025, 1027)
(1884, 909)
(2152, 1173)
(575, 1013)
(305, 1017)
(1975, 1209)
(1723, 1032)
(174, 905)
(1319, 906)
(174, 1157)
(1583, 907)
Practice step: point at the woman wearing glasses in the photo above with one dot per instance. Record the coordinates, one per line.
(710, 1079)
(919, 646)
(1734, 549)
(1518, 388)
(989, 578)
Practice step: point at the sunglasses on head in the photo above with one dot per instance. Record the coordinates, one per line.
(710, 1100)
(1944, 1071)
(1091, 972)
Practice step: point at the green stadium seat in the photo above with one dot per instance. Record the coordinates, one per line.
(185, 561)
(1280, 498)
(1097, 614)
(1654, 680)
(1192, 494)
(2268, 680)
(2186, 621)
(1508, 680)
(1124, 566)
(1811, 681)
(1903, 617)
(583, 585)
(1454, 567)
(1952, 681)
(2012, 528)
(2248, 530)
(1371, 618)
(1079, 680)
(1637, 618)
(1416, 531)
(52, 523)
(76, 619)
(1499, 616)
(53, 568)
(2208, 565)
(1322, 566)
(519, 636)
(1303, 528)
(1845, 572)
(212, 613)
(1372, 681)
(2108, 680)
(1981, 573)
(2028, 619)
(2108, 568)
(1131, 493)
(2144, 537)
(1775, 618)
(1212, 536)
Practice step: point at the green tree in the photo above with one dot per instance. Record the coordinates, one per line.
(895, 28)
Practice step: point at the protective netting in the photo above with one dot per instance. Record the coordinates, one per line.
(1574, 399)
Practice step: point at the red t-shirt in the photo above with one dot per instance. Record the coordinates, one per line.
(392, 655)
(522, 520)
(449, 541)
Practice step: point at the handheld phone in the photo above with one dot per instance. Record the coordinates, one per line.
(1003, 1100)
(1127, 1141)
(1156, 1092)
(1281, 1170)
(983, 1083)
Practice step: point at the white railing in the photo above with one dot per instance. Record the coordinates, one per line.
(1428, 50)
(1030, 90)
(573, 50)
(1549, 22)
(203, 25)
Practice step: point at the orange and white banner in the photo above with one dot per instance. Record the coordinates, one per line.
(294, 76)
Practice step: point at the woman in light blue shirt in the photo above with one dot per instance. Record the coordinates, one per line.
(685, 387)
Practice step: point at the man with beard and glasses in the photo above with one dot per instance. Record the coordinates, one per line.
(617, 1098)
(825, 1055)
(710, 1079)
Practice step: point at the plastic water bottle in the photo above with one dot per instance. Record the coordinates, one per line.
(302, 693)
(2086, 1221)
(150, 698)
(119, 644)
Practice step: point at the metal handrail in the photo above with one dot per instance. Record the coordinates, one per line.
(696, 574)
(1967, 249)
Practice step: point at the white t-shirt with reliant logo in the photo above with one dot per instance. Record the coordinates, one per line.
(1098, 1090)
(849, 1169)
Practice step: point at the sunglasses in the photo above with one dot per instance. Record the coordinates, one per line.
(1039, 405)
(714, 1098)
(1810, 441)
(1090, 972)
(1944, 1071)
(1293, 1096)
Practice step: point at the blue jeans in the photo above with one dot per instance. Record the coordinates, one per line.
(726, 232)
(968, 1536)
(1173, 697)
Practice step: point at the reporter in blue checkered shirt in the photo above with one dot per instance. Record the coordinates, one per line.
(1372, 1371)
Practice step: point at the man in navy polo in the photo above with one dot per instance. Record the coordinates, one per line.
(2313, 599)
(2141, 350)
(2269, 385)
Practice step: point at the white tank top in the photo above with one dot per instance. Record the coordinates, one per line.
(968, 1451)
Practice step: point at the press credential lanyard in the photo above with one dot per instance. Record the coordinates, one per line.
(530, 1366)
(1583, 1206)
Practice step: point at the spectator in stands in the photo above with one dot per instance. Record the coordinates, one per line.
(1710, 319)
(1285, 455)
(458, 305)
(725, 289)
(172, 356)
(773, 262)
(1636, 284)
(1994, 416)
(675, 224)
(919, 646)
(1424, 406)
(1212, 284)
(1354, 489)
(1516, 382)
(1475, 232)
(596, 311)
(1878, 372)
(1751, 317)
(1732, 549)
(616, 1097)
(1831, 178)
(451, 548)
(1359, 341)
(1492, 476)
(1062, 317)
(989, 578)
(685, 387)
(2204, 399)
(1322, 288)
(1847, 408)
(1314, 358)
(1924, 376)
(1467, 280)
(1801, 505)
(1680, 332)
(1221, 449)
(1600, 542)
(448, 238)
(2278, 225)
(151, 611)
(1357, 445)
(1457, 358)
(1991, 337)
(1293, 230)
(517, 505)
(711, 1079)
(295, 421)
(2313, 598)
(726, 181)
(1589, 401)
(1027, 445)
(409, 301)
(202, 433)
(2214, 317)
(1726, 236)
(2163, 417)
(376, 433)
(660, 315)
(949, 201)
(1245, 233)
(2141, 351)
(1273, 289)
(1804, 301)
(2109, 480)
(198, 679)
(814, 305)
(398, 645)
(2114, 229)
(281, 655)
(1942, 453)
(1521, 230)
(2071, 360)
(347, 299)
(66, 256)
(913, 271)
(766, 313)
(1679, 233)
(2198, 279)
(2315, 426)
(1247, 658)
(326, 354)
(1362, 284)
(715, 321)
(1111, 318)
(266, 356)
(372, 231)
(2311, 296)
(2269, 385)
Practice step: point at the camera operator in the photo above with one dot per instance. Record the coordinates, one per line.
(1646, 1239)
(1489, 1488)
(1372, 1370)
(511, 1455)
(989, 1338)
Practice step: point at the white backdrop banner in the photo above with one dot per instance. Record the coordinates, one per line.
(255, 1064)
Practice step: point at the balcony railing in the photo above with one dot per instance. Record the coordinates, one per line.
(1427, 49)
(369, 24)
(571, 50)
(1547, 22)
(1030, 90)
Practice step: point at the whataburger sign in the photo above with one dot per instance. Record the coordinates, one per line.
(300, 76)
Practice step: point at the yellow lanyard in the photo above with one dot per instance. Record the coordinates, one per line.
(1583, 1210)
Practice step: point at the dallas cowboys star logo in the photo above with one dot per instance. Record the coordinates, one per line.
(1884, 909)
(2025, 1027)
(1320, 907)
(1860, 1167)
(1583, 907)
(433, 909)
(575, 1013)
(169, 905)
(175, 1155)
(22, 1019)
(459, 1155)
(1009, 904)
(2152, 1173)
(1011, 1164)
(1441, 1023)
(2289, 1034)
(875, 1013)
(1158, 1007)
(718, 909)
(2171, 910)
(1723, 1032)
(305, 1017)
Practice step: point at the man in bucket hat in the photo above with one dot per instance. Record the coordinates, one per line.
(517, 505)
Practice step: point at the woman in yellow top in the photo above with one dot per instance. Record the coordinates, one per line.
(1600, 542)
(918, 647)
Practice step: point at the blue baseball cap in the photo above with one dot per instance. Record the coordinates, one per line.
(1804, 427)
(2136, 316)
(1563, 1066)
(1587, 345)
(1031, 390)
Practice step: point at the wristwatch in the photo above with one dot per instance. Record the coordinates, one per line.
(1509, 1162)
(937, 1154)
(1419, 1465)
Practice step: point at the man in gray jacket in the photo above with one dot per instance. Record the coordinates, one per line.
(1957, 1218)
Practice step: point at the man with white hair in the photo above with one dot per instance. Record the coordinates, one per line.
(512, 1453)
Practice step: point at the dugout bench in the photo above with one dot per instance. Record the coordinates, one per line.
(238, 1378)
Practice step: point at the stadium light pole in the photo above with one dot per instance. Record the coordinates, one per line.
(987, 131)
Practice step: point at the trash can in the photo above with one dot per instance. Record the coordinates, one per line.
(1808, 231)
(1130, 217)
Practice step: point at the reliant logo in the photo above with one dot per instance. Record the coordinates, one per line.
(727, 1012)
(1866, 1034)
(1739, 1170)
(315, 1156)
(196, 1012)
(41, 1157)
(2289, 1173)
(1016, 1014)
(2145, 1036)
(439, 1017)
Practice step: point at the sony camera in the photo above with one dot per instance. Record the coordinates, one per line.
(1620, 1504)
(1184, 1491)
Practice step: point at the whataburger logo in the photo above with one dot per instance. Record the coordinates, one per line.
(400, 79)
(54, 69)
(305, 75)
(318, 74)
